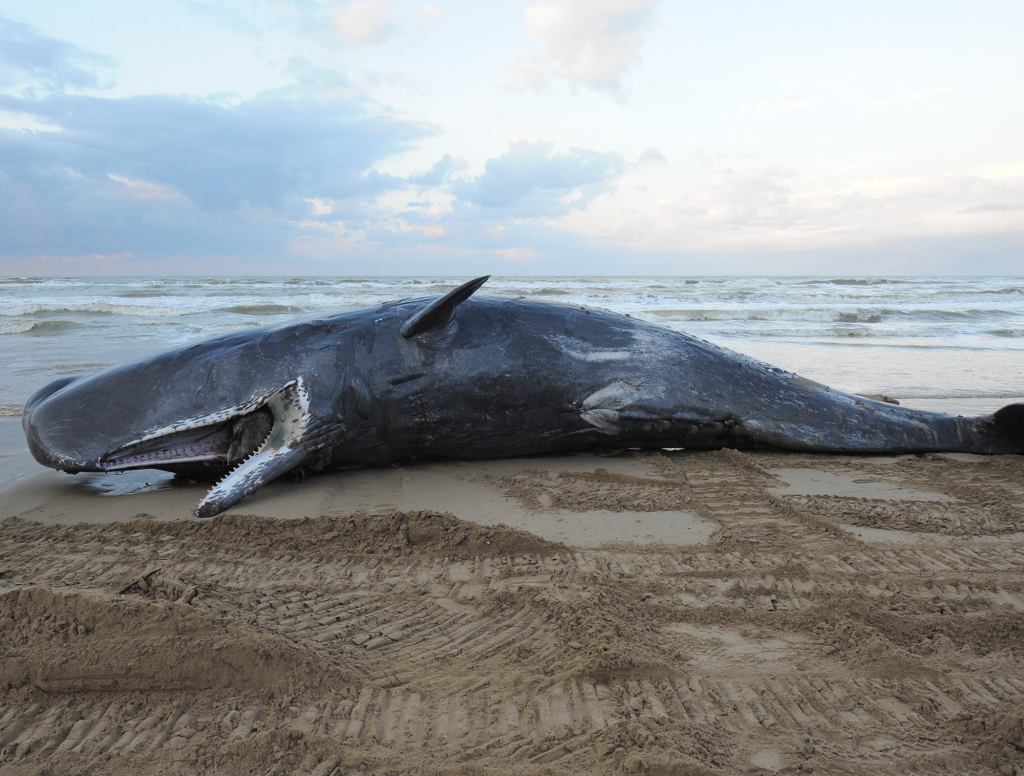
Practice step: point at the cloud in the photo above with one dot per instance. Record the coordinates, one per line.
(162, 175)
(318, 81)
(529, 74)
(260, 151)
(588, 42)
(429, 15)
(140, 189)
(461, 223)
(518, 255)
(364, 23)
(531, 180)
(172, 183)
(763, 208)
(30, 59)
(652, 157)
(440, 172)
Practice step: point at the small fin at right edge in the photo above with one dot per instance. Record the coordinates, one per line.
(1009, 422)
(440, 311)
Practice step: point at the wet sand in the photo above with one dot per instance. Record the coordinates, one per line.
(700, 613)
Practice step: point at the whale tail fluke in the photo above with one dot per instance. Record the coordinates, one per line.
(1009, 425)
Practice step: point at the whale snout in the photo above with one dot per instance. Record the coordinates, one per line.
(46, 434)
(49, 390)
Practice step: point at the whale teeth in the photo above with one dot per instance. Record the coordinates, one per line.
(279, 451)
(243, 462)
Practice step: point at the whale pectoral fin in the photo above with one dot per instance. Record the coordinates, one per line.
(439, 312)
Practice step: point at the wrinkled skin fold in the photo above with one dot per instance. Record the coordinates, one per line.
(458, 377)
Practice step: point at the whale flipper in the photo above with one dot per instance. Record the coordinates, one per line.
(440, 311)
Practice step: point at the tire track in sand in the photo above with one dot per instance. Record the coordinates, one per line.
(781, 644)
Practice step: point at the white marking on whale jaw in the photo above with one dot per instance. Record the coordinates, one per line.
(280, 451)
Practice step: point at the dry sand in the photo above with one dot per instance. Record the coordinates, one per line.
(694, 613)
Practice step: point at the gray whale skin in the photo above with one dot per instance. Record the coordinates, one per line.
(458, 378)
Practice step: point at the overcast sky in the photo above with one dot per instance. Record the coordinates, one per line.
(536, 137)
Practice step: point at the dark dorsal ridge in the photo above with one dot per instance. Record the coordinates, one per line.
(440, 311)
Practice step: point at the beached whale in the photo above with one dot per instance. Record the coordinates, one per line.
(458, 378)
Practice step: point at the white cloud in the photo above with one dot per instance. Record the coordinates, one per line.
(25, 122)
(531, 180)
(652, 157)
(431, 203)
(589, 42)
(527, 75)
(327, 242)
(211, 179)
(319, 206)
(33, 61)
(764, 208)
(517, 255)
(138, 188)
(364, 23)
(429, 14)
(401, 226)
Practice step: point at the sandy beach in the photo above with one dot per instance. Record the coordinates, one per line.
(673, 612)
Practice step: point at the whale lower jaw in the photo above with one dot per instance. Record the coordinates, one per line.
(280, 451)
(249, 445)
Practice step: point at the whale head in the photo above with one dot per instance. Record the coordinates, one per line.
(210, 412)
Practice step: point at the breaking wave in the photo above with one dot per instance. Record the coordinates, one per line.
(37, 328)
(859, 317)
(856, 282)
(258, 309)
(95, 308)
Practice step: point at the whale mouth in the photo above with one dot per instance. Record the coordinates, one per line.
(211, 444)
(220, 444)
(242, 448)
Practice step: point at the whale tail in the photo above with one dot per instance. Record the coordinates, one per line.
(868, 426)
(1008, 425)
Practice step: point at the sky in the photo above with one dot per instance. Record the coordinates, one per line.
(539, 137)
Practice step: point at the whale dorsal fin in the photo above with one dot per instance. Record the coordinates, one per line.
(440, 311)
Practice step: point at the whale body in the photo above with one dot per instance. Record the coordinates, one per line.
(461, 378)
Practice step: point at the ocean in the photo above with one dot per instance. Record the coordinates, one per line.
(945, 343)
